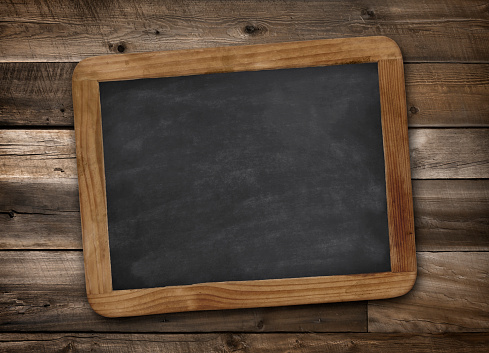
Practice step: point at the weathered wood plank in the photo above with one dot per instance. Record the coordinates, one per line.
(45, 291)
(451, 215)
(447, 95)
(444, 95)
(449, 153)
(67, 31)
(232, 342)
(36, 94)
(44, 214)
(450, 295)
(435, 153)
(37, 154)
(40, 214)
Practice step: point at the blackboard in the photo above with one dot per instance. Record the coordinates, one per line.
(245, 176)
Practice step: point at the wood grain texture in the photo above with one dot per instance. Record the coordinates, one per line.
(40, 154)
(45, 291)
(36, 94)
(91, 186)
(251, 294)
(456, 154)
(233, 342)
(67, 31)
(438, 95)
(447, 95)
(243, 294)
(236, 58)
(40, 214)
(450, 215)
(397, 169)
(450, 295)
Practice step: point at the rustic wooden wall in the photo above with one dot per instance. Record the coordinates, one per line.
(42, 292)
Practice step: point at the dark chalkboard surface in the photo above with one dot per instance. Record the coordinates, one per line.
(245, 176)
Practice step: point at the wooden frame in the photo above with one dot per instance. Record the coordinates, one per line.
(244, 294)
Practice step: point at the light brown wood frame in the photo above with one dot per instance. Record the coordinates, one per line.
(243, 294)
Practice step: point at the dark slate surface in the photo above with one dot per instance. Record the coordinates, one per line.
(245, 176)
